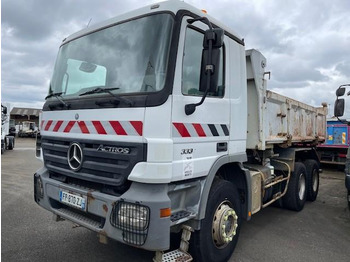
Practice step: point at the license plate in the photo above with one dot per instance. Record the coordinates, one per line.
(74, 200)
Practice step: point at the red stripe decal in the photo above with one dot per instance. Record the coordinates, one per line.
(118, 128)
(199, 129)
(99, 128)
(48, 125)
(69, 126)
(138, 126)
(42, 123)
(182, 129)
(57, 126)
(83, 127)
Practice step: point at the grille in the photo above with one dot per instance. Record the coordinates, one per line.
(107, 168)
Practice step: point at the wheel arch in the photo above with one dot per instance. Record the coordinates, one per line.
(230, 169)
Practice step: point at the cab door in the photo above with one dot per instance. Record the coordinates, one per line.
(202, 137)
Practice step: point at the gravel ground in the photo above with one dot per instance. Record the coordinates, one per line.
(320, 232)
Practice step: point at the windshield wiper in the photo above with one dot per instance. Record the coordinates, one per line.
(108, 91)
(59, 98)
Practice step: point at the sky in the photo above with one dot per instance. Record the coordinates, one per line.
(306, 43)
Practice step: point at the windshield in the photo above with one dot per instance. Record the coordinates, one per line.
(128, 58)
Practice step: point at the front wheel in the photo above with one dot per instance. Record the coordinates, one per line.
(219, 232)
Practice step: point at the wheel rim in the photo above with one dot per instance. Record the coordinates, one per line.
(225, 223)
(301, 186)
(314, 180)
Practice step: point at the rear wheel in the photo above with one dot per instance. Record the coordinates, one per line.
(11, 143)
(295, 197)
(312, 179)
(348, 198)
(220, 228)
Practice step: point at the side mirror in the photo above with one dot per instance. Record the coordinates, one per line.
(211, 60)
(339, 107)
(4, 110)
(340, 91)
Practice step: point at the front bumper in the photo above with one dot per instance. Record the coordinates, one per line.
(100, 216)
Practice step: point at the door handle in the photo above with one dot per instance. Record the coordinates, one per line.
(221, 147)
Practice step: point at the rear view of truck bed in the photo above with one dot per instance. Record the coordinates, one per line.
(276, 119)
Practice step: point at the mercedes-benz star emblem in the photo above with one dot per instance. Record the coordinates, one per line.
(75, 156)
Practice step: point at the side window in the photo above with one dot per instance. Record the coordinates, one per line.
(192, 59)
(81, 74)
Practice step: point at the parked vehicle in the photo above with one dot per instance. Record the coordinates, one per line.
(27, 129)
(159, 121)
(339, 106)
(335, 148)
(7, 138)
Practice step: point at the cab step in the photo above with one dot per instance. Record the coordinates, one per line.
(172, 256)
(180, 254)
(181, 217)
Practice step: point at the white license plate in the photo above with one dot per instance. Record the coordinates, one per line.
(74, 200)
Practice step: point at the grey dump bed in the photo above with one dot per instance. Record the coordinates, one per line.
(277, 119)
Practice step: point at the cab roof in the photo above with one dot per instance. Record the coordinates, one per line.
(167, 6)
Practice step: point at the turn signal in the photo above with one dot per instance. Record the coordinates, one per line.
(165, 212)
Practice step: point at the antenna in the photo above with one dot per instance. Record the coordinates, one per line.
(89, 22)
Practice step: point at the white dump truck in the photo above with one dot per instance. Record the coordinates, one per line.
(159, 121)
(7, 135)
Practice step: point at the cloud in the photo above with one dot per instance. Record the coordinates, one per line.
(306, 43)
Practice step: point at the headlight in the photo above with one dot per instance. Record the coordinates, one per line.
(133, 219)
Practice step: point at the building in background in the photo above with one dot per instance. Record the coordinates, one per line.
(20, 114)
(26, 120)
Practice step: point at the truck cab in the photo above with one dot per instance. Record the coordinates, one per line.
(7, 135)
(339, 107)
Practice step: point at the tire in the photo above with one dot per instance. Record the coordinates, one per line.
(348, 197)
(312, 179)
(223, 208)
(11, 144)
(295, 197)
(4, 146)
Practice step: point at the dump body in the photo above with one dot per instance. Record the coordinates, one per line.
(277, 119)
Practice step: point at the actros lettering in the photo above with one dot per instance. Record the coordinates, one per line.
(111, 149)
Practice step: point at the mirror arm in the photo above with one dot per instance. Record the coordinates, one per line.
(203, 18)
